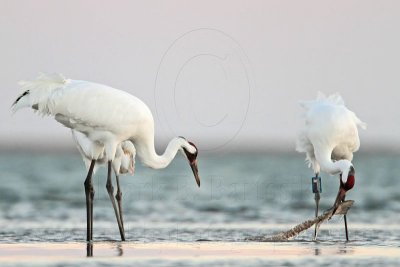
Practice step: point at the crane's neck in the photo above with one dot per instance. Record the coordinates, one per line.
(148, 156)
(333, 167)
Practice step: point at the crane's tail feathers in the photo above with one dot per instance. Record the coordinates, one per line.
(360, 123)
(335, 99)
(36, 93)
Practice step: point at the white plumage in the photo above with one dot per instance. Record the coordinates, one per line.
(123, 163)
(107, 116)
(104, 117)
(329, 139)
(330, 135)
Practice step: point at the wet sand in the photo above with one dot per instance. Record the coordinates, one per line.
(66, 252)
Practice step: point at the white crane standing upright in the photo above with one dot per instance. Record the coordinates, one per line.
(123, 163)
(107, 117)
(329, 138)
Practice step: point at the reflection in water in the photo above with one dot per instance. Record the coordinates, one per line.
(116, 246)
(119, 249)
(345, 250)
(342, 250)
(89, 249)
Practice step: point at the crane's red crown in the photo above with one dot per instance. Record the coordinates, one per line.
(351, 180)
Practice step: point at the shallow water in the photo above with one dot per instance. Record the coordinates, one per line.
(42, 212)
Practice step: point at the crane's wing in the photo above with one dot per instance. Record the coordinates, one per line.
(83, 105)
(329, 126)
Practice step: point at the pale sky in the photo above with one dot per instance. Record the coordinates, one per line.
(226, 74)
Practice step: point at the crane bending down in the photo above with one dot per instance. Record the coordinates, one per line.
(107, 117)
(123, 163)
(329, 138)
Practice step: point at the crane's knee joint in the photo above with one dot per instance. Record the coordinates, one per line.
(110, 187)
(89, 189)
(118, 196)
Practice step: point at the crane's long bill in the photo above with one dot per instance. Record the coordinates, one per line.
(195, 170)
(340, 197)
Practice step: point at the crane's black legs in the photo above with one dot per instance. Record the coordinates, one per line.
(317, 198)
(118, 197)
(345, 227)
(89, 192)
(340, 199)
(345, 224)
(110, 190)
(316, 187)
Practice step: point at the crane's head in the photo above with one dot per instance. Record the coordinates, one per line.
(348, 178)
(190, 151)
(347, 181)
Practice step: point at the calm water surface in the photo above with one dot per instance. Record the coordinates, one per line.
(42, 201)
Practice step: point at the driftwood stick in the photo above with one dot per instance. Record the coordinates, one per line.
(284, 236)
